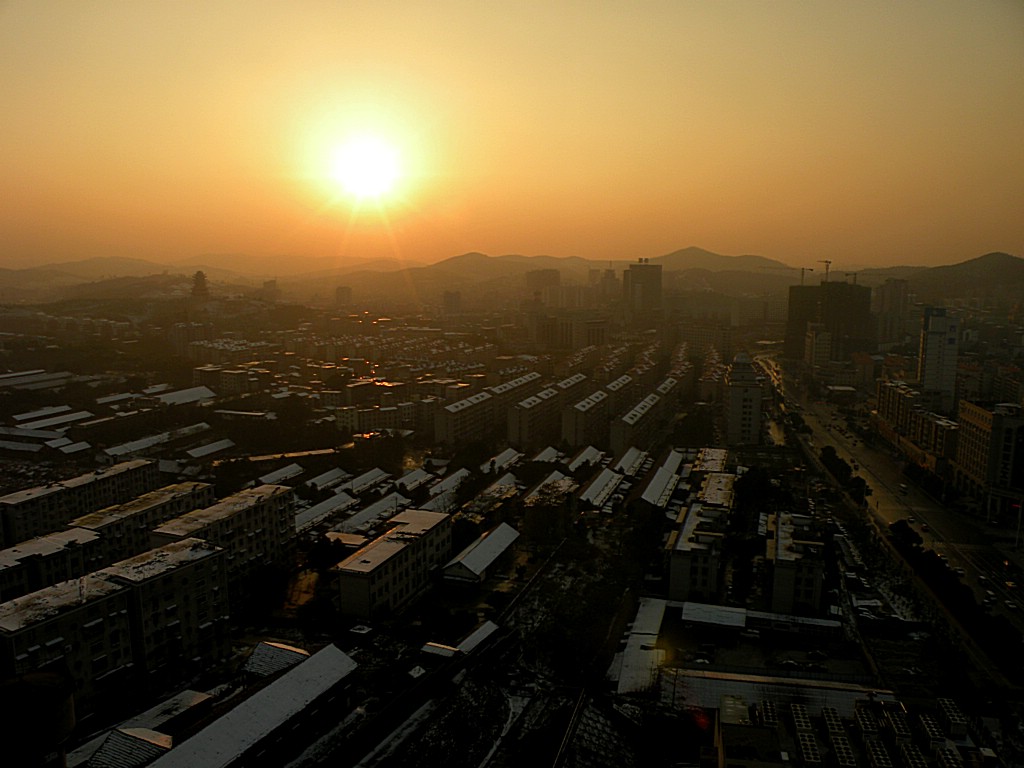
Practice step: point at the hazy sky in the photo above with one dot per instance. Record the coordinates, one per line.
(866, 132)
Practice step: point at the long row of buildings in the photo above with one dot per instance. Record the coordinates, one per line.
(137, 593)
(979, 453)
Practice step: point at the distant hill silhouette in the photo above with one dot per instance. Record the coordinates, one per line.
(698, 258)
(488, 279)
(994, 275)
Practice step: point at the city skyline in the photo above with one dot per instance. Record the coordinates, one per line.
(870, 134)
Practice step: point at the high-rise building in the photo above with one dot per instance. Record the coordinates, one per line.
(937, 358)
(743, 399)
(889, 303)
(845, 309)
(990, 455)
(641, 291)
(803, 309)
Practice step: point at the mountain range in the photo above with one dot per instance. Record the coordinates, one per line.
(995, 275)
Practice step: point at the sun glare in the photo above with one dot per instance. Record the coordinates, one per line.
(365, 167)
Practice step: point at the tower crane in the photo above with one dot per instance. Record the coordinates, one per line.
(790, 269)
(826, 262)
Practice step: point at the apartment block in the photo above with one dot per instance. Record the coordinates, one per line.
(693, 552)
(621, 392)
(124, 529)
(178, 610)
(35, 511)
(990, 455)
(636, 426)
(535, 421)
(78, 628)
(693, 555)
(464, 421)
(937, 355)
(743, 403)
(586, 421)
(256, 528)
(46, 560)
(390, 571)
(795, 553)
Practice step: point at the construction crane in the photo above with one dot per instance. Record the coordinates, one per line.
(827, 263)
(791, 269)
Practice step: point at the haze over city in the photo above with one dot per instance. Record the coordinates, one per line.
(869, 133)
(504, 385)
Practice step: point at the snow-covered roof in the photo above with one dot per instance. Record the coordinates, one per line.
(601, 487)
(640, 660)
(211, 448)
(589, 455)
(365, 517)
(660, 487)
(673, 461)
(365, 481)
(505, 481)
(478, 556)
(229, 736)
(503, 460)
(450, 483)
(477, 636)
(183, 396)
(339, 502)
(329, 478)
(144, 443)
(60, 420)
(413, 479)
(284, 473)
(41, 413)
(548, 455)
(81, 445)
(14, 445)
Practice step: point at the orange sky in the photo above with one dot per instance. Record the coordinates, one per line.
(865, 132)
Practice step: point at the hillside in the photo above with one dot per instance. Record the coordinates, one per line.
(490, 280)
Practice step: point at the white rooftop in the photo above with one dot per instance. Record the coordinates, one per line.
(282, 474)
(503, 460)
(631, 461)
(547, 455)
(50, 602)
(211, 448)
(183, 396)
(640, 661)
(450, 483)
(589, 455)
(56, 421)
(329, 478)
(365, 481)
(161, 560)
(601, 487)
(379, 510)
(660, 487)
(221, 742)
(479, 555)
(311, 516)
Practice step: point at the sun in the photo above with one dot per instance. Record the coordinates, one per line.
(366, 167)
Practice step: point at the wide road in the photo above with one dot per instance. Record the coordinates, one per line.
(963, 541)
